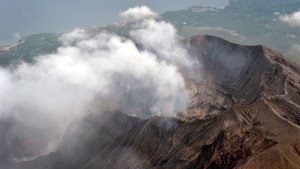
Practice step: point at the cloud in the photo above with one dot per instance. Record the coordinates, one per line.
(139, 13)
(160, 38)
(93, 72)
(293, 19)
(17, 36)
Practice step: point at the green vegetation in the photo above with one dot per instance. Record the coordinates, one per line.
(248, 22)
(33, 46)
(121, 30)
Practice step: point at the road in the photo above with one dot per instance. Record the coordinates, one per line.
(7, 48)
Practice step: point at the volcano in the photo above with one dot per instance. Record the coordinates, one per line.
(244, 113)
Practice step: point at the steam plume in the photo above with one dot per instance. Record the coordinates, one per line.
(293, 19)
(139, 13)
(94, 72)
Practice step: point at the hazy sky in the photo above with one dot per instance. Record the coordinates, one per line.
(35, 16)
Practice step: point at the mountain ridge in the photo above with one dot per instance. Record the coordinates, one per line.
(241, 116)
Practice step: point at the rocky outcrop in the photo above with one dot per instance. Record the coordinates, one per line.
(244, 114)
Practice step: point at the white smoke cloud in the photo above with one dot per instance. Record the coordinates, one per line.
(293, 19)
(161, 38)
(139, 13)
(17, 36)
(95, 72)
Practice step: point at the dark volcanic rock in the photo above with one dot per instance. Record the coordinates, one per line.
(244, 114)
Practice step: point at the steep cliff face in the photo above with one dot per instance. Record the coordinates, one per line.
(244, 114)
(245, 74)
